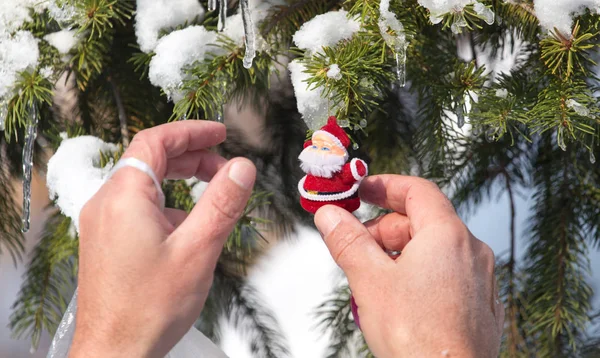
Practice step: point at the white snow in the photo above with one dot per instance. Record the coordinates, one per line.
(313, 107)
(559, 13)
(197, 190)
(13, 13)
(175, 52)
(63, 40)
(388, 19)
(74, 175)
(46, 71)
(334, 72)
(154, 15)
(17, 53)
(502, 92)
(325, 30)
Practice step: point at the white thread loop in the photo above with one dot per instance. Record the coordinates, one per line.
(145, 168)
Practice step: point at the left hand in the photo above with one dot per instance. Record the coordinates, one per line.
(144, 274)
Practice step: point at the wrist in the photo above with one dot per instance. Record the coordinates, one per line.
(95, 346)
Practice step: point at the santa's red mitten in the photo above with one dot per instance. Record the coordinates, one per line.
(359, 169)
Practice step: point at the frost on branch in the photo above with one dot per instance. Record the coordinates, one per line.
(17, 53)
(579, 108)
(177, 51)
(74, 175)
(154, 15)
(438, 8)
(559, 14)
(325, 30)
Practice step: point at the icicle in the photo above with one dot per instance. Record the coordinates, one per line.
(457, 26)
(460, 116)
(592, 157)
(28, 148)
(222, 15)
(3, 115)
(212, 5)
(401, 67)
(249, 34)
(560, 138)
(398, 43)
(436, 19)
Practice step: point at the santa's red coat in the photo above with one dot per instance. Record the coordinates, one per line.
(341, 182)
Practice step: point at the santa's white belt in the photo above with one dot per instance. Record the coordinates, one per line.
(325, 197)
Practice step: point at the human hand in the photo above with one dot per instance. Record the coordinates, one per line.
(144, 274)
(439, 297)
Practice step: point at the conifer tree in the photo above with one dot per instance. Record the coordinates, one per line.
(415, 84)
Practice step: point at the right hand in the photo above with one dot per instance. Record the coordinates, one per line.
(439, 298)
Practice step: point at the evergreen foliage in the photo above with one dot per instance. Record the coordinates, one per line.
(534, 129)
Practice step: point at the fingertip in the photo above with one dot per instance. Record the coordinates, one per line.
(242, 172)
(328, 217)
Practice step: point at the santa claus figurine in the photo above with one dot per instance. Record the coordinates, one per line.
(330, 178)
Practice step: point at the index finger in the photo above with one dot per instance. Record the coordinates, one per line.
(156, 145)
(419, 199)
(167, 149)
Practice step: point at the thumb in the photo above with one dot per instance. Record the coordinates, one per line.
(207, 227)
(349, 242)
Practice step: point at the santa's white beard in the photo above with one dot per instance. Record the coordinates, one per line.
(320, 164)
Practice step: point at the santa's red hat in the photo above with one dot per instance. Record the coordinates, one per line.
(335, 132)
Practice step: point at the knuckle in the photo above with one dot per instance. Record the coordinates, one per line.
(487, 255)
(225, 205)
(487, 252)
(341, 241)
(428, 184)
(457, 231)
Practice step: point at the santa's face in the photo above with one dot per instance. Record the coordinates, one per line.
(323, 158)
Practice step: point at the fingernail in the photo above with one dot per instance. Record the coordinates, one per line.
(242, 173)
(327, 220)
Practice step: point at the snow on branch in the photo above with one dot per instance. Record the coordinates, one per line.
(74, 173)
